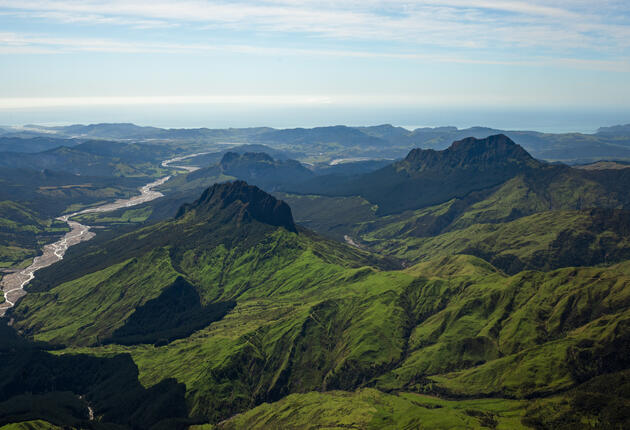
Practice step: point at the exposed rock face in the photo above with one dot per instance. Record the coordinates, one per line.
(245, 202)
(427, 177)
(494, 152)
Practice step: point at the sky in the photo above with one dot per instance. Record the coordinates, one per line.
(290, 62)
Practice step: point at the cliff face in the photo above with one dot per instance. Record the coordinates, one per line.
(491, 153)
(244, 202)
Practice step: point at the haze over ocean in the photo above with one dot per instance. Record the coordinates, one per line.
(193, 116)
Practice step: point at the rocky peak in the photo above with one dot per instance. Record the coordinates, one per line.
(248, 202)
(496, 151)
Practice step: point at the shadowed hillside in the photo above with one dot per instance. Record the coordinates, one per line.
(270, 317)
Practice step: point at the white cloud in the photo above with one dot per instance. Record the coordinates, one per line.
(569, 33)
(13, 43)
(454, 23)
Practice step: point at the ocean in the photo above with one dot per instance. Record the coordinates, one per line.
(583, 120)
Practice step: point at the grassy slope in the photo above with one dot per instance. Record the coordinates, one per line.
(530, 329)
(371, 409)
(313, 315)
(68, 311)
(454, 326)
(511, 335)
(519, 225)
(518, 197)
(542, 241)
(22, 231)
(279, 298)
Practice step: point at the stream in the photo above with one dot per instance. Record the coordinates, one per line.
(13, 284)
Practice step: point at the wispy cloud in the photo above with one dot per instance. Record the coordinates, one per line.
(13, 43)
(500, 50)
(455, 23)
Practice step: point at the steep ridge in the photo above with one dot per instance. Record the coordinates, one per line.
(244, 202)
(542, 218)
(584, 212)
(228, 214)
(240, 227)
(481, 155)
(428, 177)
(283, 327)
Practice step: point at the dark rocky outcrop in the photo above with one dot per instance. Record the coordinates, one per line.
(489, 154)
(248, 201)
(427, 177)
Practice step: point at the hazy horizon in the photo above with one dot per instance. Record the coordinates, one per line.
(549, 121)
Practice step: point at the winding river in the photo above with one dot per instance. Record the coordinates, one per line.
(13, 284)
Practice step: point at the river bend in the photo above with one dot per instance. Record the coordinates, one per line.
(13, 284)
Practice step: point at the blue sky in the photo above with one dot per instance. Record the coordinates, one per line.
(566, 54)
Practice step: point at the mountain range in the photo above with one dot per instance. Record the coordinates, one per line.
(382, 141)
(479, 288)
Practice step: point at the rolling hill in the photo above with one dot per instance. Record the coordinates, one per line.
(91, 158)
(281, 327)
(322, 144)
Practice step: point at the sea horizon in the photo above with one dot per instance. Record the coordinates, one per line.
(522, 119)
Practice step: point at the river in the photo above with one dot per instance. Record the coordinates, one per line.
(13, 284)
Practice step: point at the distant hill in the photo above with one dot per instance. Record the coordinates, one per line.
(129, 131)
(215, 157)
(381, 141)
(93, 158)
(33, 145)
(427, 177)
(604, 165)
(258, 168)
(30, 200)
(386, 131)
(616, 130)
(324, 136)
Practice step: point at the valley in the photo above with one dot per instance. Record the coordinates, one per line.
(262, 285)
(314, 215)
(12, 285)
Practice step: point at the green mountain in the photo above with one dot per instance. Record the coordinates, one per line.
(428, 177)
(259, 323)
